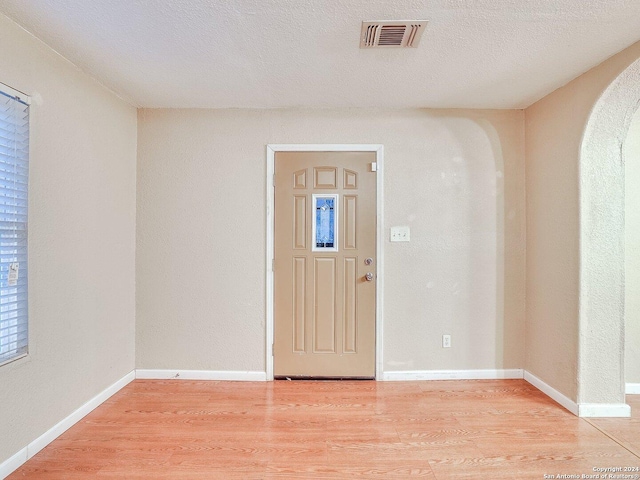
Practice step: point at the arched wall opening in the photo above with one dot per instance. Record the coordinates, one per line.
(632, 257)
(601, 377)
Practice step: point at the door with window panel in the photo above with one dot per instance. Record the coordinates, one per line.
(325, 263)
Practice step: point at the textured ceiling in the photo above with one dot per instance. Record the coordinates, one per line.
(304, 53)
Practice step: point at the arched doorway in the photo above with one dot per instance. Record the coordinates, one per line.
(601, 325)
(632, 257)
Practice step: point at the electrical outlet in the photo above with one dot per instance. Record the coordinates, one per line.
(446, 341)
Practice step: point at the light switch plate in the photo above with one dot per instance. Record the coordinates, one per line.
(400, 234)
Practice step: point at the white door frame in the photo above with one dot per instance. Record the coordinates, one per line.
(271, 152)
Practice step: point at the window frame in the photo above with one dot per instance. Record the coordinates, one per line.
(12, 93)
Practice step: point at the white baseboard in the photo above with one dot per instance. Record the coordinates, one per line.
(13, 463)
(632, 389)
(227, 375)
(585, 410)
(617, 410)
(409, 375)
(551, 392)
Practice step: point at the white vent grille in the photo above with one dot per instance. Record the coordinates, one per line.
(402, 33)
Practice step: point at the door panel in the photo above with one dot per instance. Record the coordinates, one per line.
(300, 222)
(350, 221)
(324, 306)
(324, 315)
(299, 303)
(349, 305)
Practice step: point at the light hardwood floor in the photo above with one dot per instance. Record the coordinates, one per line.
(348, 429)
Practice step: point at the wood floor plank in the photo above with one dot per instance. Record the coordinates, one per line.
(624, 431)
(159, 429)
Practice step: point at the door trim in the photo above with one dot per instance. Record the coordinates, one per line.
(270, 192)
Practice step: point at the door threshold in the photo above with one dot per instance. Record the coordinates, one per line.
(322, 378)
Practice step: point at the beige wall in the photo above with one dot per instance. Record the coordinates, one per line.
(455, 177)
(552, 245)
(554, 131)
(81, 241)
(632, 252)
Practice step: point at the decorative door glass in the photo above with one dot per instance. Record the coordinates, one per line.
(325, 223)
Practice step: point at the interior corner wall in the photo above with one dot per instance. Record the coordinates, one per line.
(455, 177)
(632, 252)
(81, 241)
(554, 131)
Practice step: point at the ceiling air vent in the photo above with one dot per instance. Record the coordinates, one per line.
(401, 33)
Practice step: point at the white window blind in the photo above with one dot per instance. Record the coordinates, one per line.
(14, 176)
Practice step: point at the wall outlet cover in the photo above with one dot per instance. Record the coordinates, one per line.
(400, 234)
